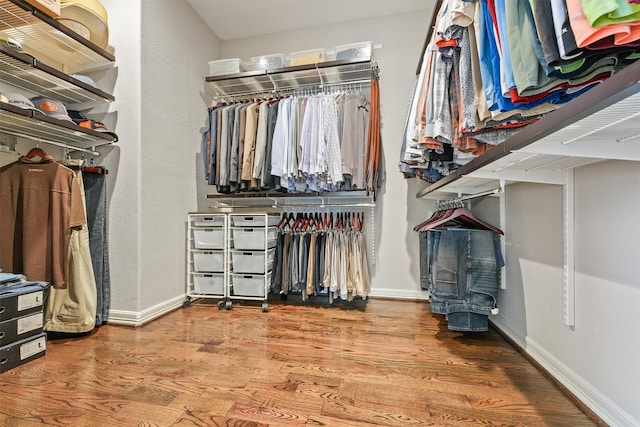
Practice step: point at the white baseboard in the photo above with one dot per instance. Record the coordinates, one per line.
(399, 294)
(602, 406)
(139, 318)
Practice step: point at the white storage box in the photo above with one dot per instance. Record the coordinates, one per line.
(253, 239)
(208, 284)
(208, 238)
(252, 262)
(254, 221)
(250, 285)
(354, 51)
(208, 261)
(208, 221)
(305, 57)
(224, 66)
(268, 62)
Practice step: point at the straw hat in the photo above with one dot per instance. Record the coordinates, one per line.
(88, 18)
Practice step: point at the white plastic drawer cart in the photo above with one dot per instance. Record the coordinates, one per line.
(207, 258)
(252, 241)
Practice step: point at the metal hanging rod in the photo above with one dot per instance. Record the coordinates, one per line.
(457, 202)
(309, 89)
(326, 206)
(56, 143)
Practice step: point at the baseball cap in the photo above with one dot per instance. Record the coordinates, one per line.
(98, 127)
(20, 101)
(51, 107)
(82, 120)
(84, 79)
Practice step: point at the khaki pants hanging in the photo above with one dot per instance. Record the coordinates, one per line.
(73, 310)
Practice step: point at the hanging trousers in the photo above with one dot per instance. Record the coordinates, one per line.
(95, 190)
(465, 276)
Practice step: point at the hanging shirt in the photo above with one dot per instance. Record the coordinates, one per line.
(261, 141)
(280, 138)
(41, 203)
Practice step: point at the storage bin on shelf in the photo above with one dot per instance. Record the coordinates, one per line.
(306, 57)
(208, 261)
(252, 262)
(212, 284)
(250, 285)
(253, 239)
(224, 66)
(208, 238)
(253, 221)
(268, 62)
(360, 51)
(208, 221)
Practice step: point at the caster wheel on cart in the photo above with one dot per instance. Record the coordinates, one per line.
(186, 303)
(221, 305)
(265, 307)
(228, 305)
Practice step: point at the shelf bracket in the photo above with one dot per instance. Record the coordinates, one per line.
(321, 84)
(273, 83)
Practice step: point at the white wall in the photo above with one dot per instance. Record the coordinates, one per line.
(161, 50)
(597, 359)
(396, 273)
(123, 160)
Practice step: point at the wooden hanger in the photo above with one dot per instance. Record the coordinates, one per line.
(459, 216)
(36, 152)
(95, 170)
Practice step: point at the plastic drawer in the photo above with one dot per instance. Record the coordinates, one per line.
(252, 262)
(208, 284)
(252, 239)
(209, 221)
(250, 285)
(254, 221)
(209, 261)
(208, 238)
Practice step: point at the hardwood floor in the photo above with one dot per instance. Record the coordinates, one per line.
(384, 363)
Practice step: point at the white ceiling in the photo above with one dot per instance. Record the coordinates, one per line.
(232, 19)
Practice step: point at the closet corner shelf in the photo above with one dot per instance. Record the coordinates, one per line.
(601, 124)
(294, 77)
(48, 39)
(25, 72)
(30, 124)
(275, 199)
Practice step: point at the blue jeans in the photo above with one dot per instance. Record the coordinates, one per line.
(95, 190)
(465, 276)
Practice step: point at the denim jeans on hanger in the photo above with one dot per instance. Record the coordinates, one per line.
(465, 277)
(95, 189)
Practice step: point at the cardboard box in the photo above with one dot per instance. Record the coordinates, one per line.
(20, 328)
(21, 300)
(23, 351)
(49, 7)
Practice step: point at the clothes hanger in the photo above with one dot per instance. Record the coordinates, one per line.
(461, 216)
(437, 215)
(36, 152)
